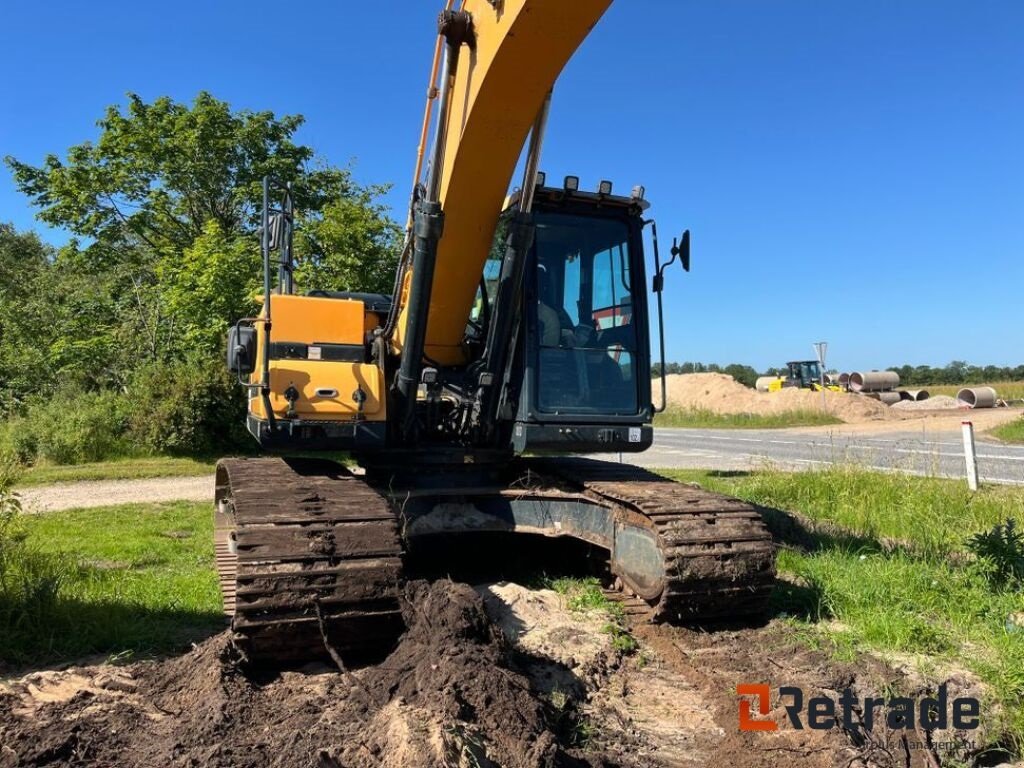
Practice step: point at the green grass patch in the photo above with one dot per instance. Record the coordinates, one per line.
(585, 595)
(886, 563)
(701, 418)
(933, 515)
(116, 469)
(1012, 432)
(128, 580)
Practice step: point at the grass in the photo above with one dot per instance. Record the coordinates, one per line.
(141, 468)
(131, 580)
(1012, 432)
(585, 595)
(701, 418)
(881, 563)
(1007, 390)
(933, 515)
(116, 469)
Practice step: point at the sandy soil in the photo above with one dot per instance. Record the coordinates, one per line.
(497, 676)
(722, 394)
(102, 493)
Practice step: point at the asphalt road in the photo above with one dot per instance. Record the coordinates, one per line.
(939, 454)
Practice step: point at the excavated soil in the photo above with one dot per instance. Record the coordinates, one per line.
(497, 676)
(723, 394)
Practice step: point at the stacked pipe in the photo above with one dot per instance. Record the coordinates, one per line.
(915, 395)
(874, 381)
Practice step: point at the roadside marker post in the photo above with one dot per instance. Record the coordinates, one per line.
(970, 456)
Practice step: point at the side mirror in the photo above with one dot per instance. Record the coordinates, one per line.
(275, 225)
(682, 250)
(242, 350)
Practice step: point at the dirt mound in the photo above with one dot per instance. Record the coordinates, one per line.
(937, 403)
(723, 394)
(446, 696)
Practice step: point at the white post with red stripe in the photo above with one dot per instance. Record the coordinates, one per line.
(970, 456)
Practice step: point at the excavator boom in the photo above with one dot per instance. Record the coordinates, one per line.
(508, 64)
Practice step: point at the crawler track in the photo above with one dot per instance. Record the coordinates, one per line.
(305, 548)
(719, 556)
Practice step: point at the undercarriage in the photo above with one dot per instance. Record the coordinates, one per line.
(311, 553)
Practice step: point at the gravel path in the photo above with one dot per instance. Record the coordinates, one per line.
(103, 493)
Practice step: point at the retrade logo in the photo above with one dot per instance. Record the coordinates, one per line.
(821, 713)
(762, 693)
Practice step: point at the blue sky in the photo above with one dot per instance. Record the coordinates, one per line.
(850, 171)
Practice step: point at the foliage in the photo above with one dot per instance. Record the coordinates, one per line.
(1002, 549)
(186, 408)
(353, 246)
(744, 374)
(160, 171)
(164, 205)
(75, 427)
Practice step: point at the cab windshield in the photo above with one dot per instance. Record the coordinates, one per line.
(587, 337)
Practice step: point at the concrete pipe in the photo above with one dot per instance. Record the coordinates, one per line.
(844, 380)
(874, 381)
(763, 382)
(977, 397)
(905, 394)
(919, 395)
(889, 398)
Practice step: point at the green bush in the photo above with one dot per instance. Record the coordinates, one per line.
(1002, 549)
(80, 427)
(17, 441)
(69, 428)
(30, 581)
(192, 408)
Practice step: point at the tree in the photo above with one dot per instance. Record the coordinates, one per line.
(159, 172)
(164, 205)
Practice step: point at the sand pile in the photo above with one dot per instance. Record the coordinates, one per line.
(723, 394)
(937, 403)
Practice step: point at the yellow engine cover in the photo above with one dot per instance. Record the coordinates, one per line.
(305, 333)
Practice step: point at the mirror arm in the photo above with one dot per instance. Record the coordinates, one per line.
(659, 285)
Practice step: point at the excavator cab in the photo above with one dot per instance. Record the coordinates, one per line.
(585, 384)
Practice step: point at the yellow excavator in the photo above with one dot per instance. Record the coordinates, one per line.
(515, 340)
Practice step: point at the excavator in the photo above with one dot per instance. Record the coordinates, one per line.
(516, 342)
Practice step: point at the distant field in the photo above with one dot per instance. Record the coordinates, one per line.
(1007, 390)
(700, 418)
